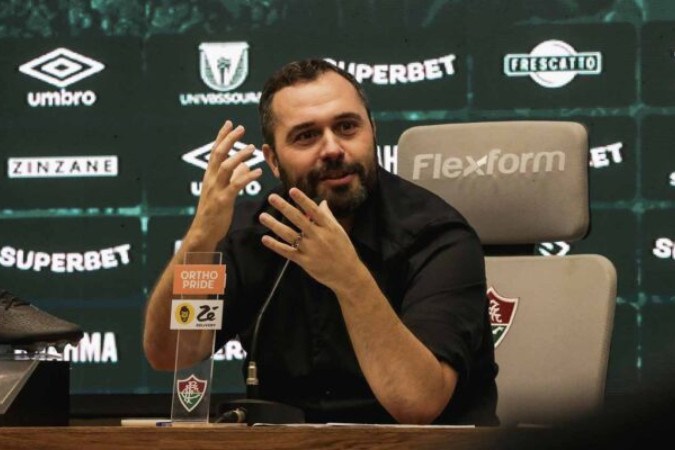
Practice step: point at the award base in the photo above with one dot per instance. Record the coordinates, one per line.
(251, 411)
(34, 393)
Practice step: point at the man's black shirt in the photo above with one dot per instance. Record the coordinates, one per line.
(429, 264)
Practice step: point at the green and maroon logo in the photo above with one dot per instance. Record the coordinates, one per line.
(191, 391)
(502, 311)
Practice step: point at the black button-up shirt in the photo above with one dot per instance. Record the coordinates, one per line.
(429, 264)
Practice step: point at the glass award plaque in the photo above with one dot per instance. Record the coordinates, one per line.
(196, 314)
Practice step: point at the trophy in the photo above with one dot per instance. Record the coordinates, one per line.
(195, 315)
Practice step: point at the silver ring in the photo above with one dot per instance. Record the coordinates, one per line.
(296, 242)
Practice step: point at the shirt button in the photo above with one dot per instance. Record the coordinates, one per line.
(328, 393)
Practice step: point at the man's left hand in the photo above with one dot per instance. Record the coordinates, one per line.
(322, 247)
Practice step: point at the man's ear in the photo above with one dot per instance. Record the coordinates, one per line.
(271, 158)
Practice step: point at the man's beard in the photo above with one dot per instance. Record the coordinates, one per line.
(344, 200)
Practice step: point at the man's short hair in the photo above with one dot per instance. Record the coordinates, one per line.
(291, 74)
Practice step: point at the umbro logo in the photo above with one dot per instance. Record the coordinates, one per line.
(61, 67)
(199, 157)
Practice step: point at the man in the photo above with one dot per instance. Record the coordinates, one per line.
(382, 315)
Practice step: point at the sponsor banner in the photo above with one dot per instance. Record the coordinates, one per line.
(658, 158)
(409, 71)
(388, 133)
(658, 253)
(622, 373)
(77, 258)
(658, 63)
(657, 352)
(62, 167)
(612, 157)
(58, 165)
(109, 358)
(614, 234)
(552, 66)
(199, 279)
(70, 77)
(212, 71)
(203, 314)
(162, 234)
(181, 149)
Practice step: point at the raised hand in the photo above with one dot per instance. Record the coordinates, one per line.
(223, 179)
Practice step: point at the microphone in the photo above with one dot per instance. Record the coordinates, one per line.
(252, 409)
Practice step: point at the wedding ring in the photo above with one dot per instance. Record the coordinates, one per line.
(296, 242)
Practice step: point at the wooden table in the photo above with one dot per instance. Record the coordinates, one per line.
(242, 437)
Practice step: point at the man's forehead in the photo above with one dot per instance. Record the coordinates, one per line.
(329, 94)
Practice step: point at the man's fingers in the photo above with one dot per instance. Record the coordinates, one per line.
(227, 136)
(293, 214)
(243, 175)
(310, 208)
(228, 166)
(285, 232)
(281, 249)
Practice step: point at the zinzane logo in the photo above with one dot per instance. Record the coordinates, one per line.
(61, 68)
(437, 166)
(191, 391)
(502, 310)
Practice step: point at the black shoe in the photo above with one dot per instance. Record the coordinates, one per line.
(23, 326)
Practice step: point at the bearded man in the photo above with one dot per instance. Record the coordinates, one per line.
(382, 316)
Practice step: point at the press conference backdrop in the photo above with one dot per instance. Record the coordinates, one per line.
(109, 110)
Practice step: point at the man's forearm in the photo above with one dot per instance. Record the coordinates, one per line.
(159, 342)
(407, 379)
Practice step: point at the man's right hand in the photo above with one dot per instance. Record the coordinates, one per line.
(223, 179)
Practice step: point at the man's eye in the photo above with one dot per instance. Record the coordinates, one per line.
(305, 136)
(347, 127)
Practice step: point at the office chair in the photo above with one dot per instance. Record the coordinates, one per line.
(520, 183)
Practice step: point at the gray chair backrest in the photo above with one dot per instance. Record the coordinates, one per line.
(524, 182)
(516, 182)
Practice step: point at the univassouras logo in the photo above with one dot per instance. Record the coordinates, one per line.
(62, 167)
(437, 165)
(223, 67)
(61, 68)
(391, 74)
(552, 64)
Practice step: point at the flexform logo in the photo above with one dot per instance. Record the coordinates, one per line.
(199, 157)
(437, 165)
(61, 68)
(553, 64)
(391, 74)
(223, 67)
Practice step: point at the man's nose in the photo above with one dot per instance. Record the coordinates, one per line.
(332, 147)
